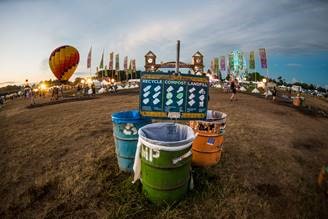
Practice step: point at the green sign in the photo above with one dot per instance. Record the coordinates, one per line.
(173, 96)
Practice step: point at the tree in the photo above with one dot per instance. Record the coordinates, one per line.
(254, 75)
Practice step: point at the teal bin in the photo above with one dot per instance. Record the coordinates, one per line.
(125, 129)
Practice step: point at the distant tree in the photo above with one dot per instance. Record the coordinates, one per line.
(280, 81)
(254, 75)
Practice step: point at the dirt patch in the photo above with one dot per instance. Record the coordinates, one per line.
(308, 144)
(269, 190)
(60, 161)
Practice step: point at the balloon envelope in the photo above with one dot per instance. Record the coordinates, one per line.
(63, 62)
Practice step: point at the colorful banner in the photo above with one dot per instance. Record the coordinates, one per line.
(89, 58)
(130, 65)
(231, 61)
(216, 65)
(111, 61)
(134, 68)
(101, 65)
(222, 63)
(212, 65)
(240, 61)
(252, 60)
(125, 65)
(263, 58)
(117, 62)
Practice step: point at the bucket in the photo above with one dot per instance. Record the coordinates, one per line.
(323, 179)
(125, 128)
(165, 150)
(207, 146)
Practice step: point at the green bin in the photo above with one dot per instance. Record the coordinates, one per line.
(165, 150)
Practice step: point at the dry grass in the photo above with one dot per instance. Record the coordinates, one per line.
(59, 161)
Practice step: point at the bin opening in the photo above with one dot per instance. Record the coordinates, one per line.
(167, 134)
(132, 116)
(215, 115)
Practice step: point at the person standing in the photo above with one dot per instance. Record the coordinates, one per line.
(233, 88)
(274, 94)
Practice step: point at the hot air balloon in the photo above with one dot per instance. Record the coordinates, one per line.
(63, 62)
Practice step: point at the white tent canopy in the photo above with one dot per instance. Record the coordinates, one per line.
(255, 91)
(242, 89)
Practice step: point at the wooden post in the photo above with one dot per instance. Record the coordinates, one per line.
(178, 58)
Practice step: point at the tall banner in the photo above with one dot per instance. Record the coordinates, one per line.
(222, 63)
(117, 62)
(252, 60)
(125, 63)
(89, 58)
(231, 61)
(212, 65)
(263, 58)
(240, 61)
(134, 68)
(101, 65)
(216, 65)
(130, 65)
(111, 61)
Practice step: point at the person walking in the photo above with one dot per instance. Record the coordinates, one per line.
(233, 88)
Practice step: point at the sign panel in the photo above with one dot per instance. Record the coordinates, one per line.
(170, 96)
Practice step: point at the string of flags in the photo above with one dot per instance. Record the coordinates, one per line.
(237, 61)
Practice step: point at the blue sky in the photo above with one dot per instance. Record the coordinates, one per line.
(295, 33)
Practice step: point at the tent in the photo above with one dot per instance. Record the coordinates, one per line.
(255, 91)
(269, 93)
(242, 89)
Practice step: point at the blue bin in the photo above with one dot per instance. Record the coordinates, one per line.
(125, 128)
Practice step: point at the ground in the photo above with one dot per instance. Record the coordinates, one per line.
(59, 161)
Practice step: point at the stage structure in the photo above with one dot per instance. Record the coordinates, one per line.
(197, 64)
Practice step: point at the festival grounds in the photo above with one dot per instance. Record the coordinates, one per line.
(59, 161)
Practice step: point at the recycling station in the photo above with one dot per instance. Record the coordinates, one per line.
(161, 154)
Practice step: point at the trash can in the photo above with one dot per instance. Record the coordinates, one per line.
(125, 129)
(165, 151)
(207, 146)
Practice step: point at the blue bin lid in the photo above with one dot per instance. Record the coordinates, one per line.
(132, 116)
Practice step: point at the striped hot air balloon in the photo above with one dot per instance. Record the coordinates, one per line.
(63, 62)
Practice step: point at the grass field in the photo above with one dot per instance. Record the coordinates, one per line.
(59, 161)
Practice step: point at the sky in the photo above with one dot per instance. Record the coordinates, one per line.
(294, 32)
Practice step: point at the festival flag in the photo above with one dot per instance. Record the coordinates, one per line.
(111, 61)
(240, 61)
(222, 63)
(117, 62)
(134, 68)
(130, 65)
(101, 65)
(231, 61)
(252, 60)
(212, 65)
(125, 65)
(263, 58)
(216, 65)
(89, 58)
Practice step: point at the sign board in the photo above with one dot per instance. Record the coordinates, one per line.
(168, 96)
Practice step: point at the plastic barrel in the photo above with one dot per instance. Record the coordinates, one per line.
(165, 161)
(207, 146)
(125, 128)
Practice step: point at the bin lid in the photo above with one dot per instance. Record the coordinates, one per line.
(132, 116)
